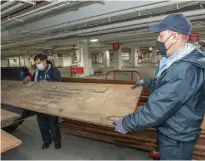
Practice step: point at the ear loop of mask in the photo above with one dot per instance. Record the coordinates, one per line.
(167, 40)
(164, 42)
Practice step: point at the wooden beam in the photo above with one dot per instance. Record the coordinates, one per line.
(89, 102)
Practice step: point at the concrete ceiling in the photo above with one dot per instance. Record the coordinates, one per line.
(60, 25)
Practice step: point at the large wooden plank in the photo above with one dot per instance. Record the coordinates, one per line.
(8, 141)
(93, 80)
(90, 102)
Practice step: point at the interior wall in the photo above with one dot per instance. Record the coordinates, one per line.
(5, 63)
(29, 61)
(22, 61)
(67, 60)
(125, 56)
(14, 62)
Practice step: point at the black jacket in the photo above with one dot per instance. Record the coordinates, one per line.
(50, 74)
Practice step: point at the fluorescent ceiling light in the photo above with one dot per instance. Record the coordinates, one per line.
(93, 40)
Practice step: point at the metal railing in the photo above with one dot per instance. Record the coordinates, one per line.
(124, 71)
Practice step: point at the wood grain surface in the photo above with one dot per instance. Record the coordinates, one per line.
(90, 102)
(7, 115)
(8, 141)
(7, 118)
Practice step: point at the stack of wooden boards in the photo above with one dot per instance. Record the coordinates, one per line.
(142, 140)
(7, 118)
(8, 141)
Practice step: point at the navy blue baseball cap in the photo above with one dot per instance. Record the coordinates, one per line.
(174, 22)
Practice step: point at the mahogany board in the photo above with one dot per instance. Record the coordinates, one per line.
(90, 102)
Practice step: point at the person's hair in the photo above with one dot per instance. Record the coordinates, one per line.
(25, 70)
(41, 57)
(49, 62)
(46, 57)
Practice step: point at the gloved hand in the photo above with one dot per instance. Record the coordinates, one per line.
(119, 127)
(138, 83)
(26, 80)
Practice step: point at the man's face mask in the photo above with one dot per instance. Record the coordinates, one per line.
(161, 46)
(40, 66)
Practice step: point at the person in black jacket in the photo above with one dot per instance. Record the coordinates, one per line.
(48, 124)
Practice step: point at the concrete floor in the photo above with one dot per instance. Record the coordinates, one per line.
(73, 147)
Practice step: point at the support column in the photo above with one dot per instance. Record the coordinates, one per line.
(134, 57)
(130, 58)
(153, 57)
(117, 58)
(99, 58)
(150, 56)
(84, 59)
(106, 56)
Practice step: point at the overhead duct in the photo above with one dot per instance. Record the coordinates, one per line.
(11, 8)
(6, 4)
(136, 10)
(147, 21)
(44, 10)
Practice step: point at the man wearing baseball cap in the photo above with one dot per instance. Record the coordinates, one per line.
(176, 105)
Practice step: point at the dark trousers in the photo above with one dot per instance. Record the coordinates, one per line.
(49, 128)
(171, 149)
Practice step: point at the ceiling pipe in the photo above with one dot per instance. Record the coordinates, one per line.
(142, 40)
(146, 6)
(43, 12)
(132, 27)
(33, 11)
(156, 4)
(138, 34)
(22, 9)
(6, 4)
(115, 37)
(188, 14)
(27, 1)
(11, 8)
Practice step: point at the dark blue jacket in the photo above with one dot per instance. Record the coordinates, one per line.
(176, 105)
(50, 74)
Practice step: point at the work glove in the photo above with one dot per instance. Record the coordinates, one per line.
(119, 127)
(138, 83)
(26, 80)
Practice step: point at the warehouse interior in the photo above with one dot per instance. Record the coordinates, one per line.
(107, 39)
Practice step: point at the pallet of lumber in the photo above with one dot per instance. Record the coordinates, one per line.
(142, 140)
(8, 141)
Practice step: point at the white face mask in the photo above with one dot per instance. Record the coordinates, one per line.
(40, 66)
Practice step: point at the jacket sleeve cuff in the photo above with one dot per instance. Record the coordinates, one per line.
(124, 124)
